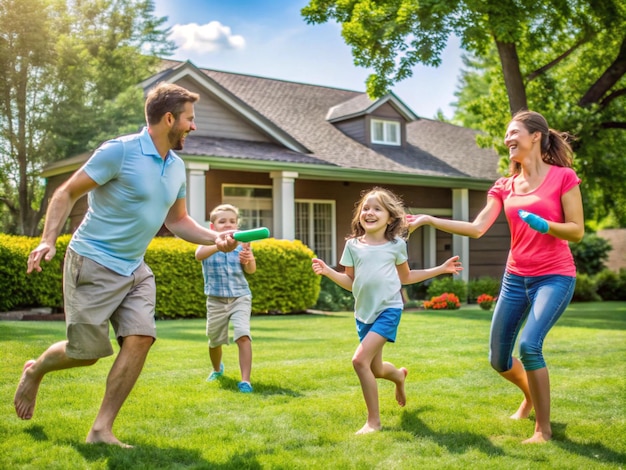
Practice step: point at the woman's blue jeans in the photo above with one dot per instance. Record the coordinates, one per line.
(540, 300)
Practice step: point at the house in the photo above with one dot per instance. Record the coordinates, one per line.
(295, 157)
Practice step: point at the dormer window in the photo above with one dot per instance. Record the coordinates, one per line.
(385, 132)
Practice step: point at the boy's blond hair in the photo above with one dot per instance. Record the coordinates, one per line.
(223, 208)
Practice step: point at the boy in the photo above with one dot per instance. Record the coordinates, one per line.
(228, 296)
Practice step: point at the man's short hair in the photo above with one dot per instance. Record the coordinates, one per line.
(167, 98)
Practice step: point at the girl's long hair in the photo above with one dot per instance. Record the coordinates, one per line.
(555, 145)
(392, 203)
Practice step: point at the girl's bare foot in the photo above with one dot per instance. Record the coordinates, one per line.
(368, 429)
(523, 411)
(538, 438)
(26, 393)
(400, 394)
(102, 437)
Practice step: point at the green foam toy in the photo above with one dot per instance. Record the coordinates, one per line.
(252, 234)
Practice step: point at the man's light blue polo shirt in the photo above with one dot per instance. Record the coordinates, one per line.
(136, 190)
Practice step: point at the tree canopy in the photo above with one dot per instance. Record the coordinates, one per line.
(563, 58)
(68, 72)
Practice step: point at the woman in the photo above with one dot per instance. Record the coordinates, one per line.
(543, 206)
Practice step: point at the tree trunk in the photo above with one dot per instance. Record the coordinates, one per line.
(609, 78)
(513, 81)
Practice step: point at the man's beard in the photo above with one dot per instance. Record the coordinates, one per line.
(176, 139)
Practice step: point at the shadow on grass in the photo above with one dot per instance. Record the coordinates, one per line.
(594, 451)
(455, 442)
(37, 433)
(228, 383)
(155, 457)
(28, 331)
(596, 315)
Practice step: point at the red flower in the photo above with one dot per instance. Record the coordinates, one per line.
(485, 301)
(445, 301)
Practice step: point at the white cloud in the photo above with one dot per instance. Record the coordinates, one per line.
(210, 37)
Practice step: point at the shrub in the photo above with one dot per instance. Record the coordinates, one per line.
(284, 281)
(417, 291)
(178, 276)
(609, 285)
(482, 285)
(413, 304)
(590, 253)
(485, 301)
(445, 301)
(38, 289)
(447, 284)
(585, 290)
(333, 298)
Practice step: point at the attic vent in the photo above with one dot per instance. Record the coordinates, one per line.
(385, 132)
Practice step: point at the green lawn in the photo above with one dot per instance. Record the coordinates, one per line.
(307, 402)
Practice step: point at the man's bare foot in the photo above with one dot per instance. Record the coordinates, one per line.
(400, 394)
(523, 411)
(26, 393)
(105, 437)
(538, 438)
(368, 429)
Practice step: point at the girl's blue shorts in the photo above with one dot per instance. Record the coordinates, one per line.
(386, 325)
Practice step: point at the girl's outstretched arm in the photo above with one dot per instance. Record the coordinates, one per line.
(411, 276)
(475, 229)
(344, 279)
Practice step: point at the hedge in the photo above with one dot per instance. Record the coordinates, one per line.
(283, 283)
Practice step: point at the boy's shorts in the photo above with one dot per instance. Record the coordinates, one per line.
(95, 295)
(220, 310)
(386, 325)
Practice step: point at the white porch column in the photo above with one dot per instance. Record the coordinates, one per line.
(430, 246)
(196, 191)
(460, 244)
(284, 204)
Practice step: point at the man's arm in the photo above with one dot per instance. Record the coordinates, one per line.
(183, 226)
(58, 211)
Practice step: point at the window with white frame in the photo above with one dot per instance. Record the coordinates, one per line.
(385, 132)
(314, 224)
(254, 204)
(315, 227)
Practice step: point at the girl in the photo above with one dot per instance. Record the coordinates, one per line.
(376, 267)
(543, 206)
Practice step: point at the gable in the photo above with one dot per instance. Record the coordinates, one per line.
(216, 119)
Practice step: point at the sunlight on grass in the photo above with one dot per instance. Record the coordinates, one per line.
(307, 402)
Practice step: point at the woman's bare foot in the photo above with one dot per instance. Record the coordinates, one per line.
(400, 394)
(105, 437)
(538, 438)
(368, 429)
(523, 411)
(26, 393)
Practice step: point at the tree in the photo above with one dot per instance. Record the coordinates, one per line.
(564, 58)
(64, 64)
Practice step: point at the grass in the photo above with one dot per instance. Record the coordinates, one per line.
(307, 402)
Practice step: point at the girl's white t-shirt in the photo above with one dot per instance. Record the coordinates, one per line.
(376, 285)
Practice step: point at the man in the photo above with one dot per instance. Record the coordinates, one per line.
(135, 184)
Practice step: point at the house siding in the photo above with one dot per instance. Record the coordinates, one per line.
(215, 119)
(487, 254)
(355, 129)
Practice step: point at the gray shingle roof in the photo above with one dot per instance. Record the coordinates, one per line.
(434, 148)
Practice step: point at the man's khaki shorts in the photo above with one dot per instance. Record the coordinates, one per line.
(95, 295)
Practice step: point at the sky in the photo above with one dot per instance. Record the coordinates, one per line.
(269, 38)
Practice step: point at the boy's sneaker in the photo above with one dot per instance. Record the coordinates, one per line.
(244, 387)
(216, 375)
